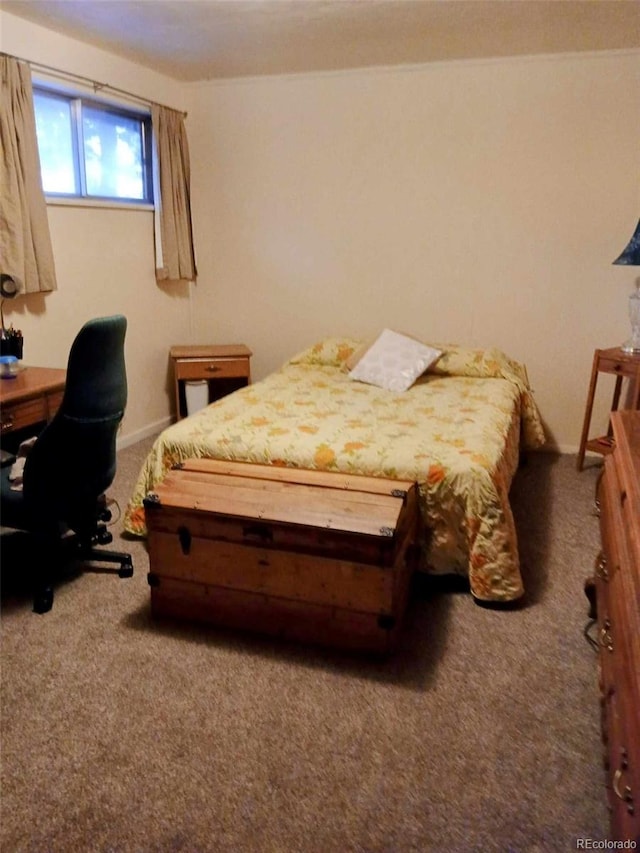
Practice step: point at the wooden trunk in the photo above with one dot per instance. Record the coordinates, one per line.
(310, 555)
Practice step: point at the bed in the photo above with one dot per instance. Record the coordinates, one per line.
(457, 431)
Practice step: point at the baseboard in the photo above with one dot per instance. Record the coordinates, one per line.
(145, 432)
(565, 450)
(560, 448)
(573, 449)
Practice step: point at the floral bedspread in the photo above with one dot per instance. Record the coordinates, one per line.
(457, 432)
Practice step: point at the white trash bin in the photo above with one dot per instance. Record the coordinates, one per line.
(196, 394)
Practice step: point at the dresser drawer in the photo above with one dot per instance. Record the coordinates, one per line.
(607, 567)
(218, 368)
(622, 767)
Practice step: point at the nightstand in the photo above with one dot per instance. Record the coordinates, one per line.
(225, 367)
(622, 365)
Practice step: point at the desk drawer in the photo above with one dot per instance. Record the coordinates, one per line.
(16, 416)
(212, 368)
(53, 403)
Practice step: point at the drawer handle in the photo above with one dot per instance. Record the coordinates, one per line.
(617, 368)
(597, 504)
(606, 640)
(627, 795)
(213, 368)
(602, 571)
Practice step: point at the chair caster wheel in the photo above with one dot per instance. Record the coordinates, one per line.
(126, 570)
(43, 600)
(104, 537)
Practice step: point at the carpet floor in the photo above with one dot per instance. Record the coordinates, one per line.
(122, 734)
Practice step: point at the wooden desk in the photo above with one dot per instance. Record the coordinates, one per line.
(33, 396)
(622, 365)
(226, 367)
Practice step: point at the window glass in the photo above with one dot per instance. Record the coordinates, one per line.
(113, 154)
(54, 129)
(92, 150)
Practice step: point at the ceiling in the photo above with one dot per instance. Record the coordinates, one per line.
(192, 40)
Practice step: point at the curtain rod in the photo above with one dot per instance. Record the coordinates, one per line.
(94, 84)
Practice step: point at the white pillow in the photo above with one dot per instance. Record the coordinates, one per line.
(394, 361)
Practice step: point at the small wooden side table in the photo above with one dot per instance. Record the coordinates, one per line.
(226, 367)
(622, 365)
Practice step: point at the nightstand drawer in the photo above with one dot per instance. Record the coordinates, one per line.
(218, 368)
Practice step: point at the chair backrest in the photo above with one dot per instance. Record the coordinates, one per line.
(74, 459)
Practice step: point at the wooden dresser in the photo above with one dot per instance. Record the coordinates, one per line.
(617, 586)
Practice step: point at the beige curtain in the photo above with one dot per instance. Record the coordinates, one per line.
(175, 256)
(25, 244)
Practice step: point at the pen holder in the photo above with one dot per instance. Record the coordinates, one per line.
(12, 346)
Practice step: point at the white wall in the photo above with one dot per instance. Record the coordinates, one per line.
(474, 202)
(104, 257)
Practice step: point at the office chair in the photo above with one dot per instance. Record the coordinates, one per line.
(73, 462)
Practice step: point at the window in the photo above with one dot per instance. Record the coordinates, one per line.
(92, 150)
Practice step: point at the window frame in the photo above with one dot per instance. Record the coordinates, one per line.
(76, 100)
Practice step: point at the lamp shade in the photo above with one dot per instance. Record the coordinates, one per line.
(631, 254)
